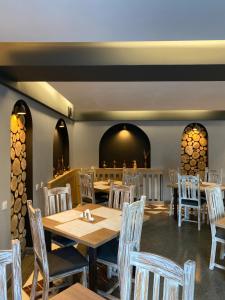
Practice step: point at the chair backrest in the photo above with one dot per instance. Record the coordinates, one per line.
(12, 257)
(214, 176)
(57, 199)
(189, 187)
(163, 269)
(133, 179)
(215, 205)
(87, 192)
(130, 232)
(173, 176)
(38, 238)
(118, 194)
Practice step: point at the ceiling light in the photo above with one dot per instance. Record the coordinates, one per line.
(20, 109)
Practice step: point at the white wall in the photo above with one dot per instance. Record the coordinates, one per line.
(44, 122)
(164, 138)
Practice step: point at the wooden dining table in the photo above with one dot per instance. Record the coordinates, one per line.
(104, 185)
(203, 186)
(220, 223)
(70, 224)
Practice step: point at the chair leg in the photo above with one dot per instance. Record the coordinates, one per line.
(109, 272)
(84, 277)
(222, 251)
(203, 213)
(179, 216)
(186, 213)
(213, 255)
(199, 218)
(34, 282)
(45, 293)
(171, 203)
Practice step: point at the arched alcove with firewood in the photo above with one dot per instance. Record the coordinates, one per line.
(194, 149)
(122, 144)
(21, 171)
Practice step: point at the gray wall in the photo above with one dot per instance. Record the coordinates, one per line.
(164, 138)
(44, 121)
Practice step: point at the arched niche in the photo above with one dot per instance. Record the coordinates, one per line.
(194, 149)
(21, 171)
(60, 148)
(124, 143)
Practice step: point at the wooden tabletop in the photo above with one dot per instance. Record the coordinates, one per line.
(203, 185)
(77, 292)
(220, 223)
(70, 224)
(104, 185)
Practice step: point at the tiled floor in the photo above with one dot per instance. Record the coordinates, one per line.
(162, 236)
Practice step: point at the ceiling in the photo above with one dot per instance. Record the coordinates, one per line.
(114, 96)
(111, 20)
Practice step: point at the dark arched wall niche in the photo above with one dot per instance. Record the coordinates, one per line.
(21, 172)
(60, 148)
(194, 149)
(124, 143)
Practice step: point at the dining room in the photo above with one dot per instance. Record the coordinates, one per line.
(112, 152)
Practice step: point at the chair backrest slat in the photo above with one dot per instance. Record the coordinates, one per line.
(214, 176)
(57, 199)
(11, 257)
(130, 233)
(174, 277)
(173, 176)
(215, 205)
(189, 187)
(119, 194)
(133, 179)
(87, 192)
(38, 238)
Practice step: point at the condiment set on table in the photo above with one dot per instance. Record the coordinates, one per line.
(87, 215)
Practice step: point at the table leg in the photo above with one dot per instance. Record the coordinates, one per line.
(175, 195)
(48, 240)
(92, 268)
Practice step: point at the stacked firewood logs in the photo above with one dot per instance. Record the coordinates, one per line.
(194, 150)
(18, 179)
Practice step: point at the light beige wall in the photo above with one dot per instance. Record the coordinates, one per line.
(44, 121)
(164, 138)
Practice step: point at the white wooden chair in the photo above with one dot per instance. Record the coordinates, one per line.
(190, 197)
(165, 270)
(112, 254)
(57, 200)
(173, 177)
(12, 257)
(57, 264)
(216, 211)
(214, 176)
(118, 194)
(133, 179)
(87, 191)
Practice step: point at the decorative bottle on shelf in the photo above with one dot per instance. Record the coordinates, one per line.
(63, 166)
(134, 164)
(59, 167)
(114, 164)
(124, 164)
(104, 164)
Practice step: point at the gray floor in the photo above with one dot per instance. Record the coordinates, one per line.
(162, 236)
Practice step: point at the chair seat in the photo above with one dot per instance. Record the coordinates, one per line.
(220, 233)
(109, 251)
(65, 260)
(192, 202)
(62, 241)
